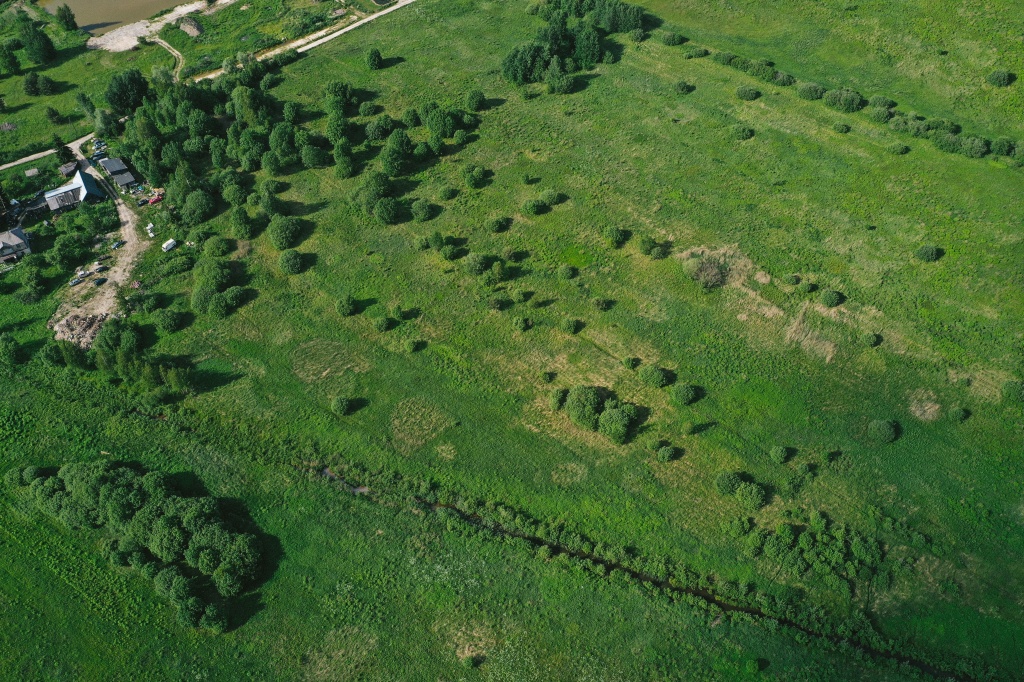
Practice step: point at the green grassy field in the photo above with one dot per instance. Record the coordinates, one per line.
(468, 408)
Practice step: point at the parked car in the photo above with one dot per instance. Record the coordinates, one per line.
(157, 199)
(99, 281)
(102, 268)
(118, 244)
(75, 282)
(143, 202)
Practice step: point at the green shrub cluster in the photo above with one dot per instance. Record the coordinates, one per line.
(185, 544)
(598, 410)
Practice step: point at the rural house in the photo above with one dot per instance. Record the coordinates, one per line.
(13, 245)
(81, 188)
(119, 173)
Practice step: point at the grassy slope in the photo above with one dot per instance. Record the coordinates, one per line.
(782, 198)
(930, 56)
(362, 591)
(628, 151)
(74, 69)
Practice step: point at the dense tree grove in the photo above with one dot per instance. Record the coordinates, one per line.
(571, 41)
(186, 545)
(599, 410)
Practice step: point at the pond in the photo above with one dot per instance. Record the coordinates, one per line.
(99, 16)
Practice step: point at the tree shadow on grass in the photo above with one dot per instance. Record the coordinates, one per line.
(388, 62)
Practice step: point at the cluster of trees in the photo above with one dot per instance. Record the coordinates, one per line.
(828, 553)
(118, 350)
(186, 545)
(748, 493)
(598, 409)
(571, 41)
(212, 291)
(33, 39)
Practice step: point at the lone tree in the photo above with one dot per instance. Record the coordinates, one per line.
(374, 60)
(126, 91)
(66, 18)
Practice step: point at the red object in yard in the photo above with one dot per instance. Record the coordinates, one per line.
(156, 200)
(136, 284)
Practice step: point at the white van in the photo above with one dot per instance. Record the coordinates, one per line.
(169, 244)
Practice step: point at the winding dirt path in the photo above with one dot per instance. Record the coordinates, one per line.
(179, 59)
(35, 157)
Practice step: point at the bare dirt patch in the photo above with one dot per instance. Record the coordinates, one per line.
(341, 655)
(446, 451)
(799, 333)
(320, 359)
(415, 422)
(568, 473)
(80, 330)
(924, 405)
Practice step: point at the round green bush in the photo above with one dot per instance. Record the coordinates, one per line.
(883, 431)
(630, 363)
(844, 99)
(751, 496)
(168, 321)
(727, 482)
(672, 38)
(684, 88)
(974, 147)
(742, 132)
(216, 246)
(340, 406)
(551, 197)
(881, 102)
(1001, 78)
(666, 453)
(784, 79)
(637, 35)
(810, 91)
(476, 264)
(841, 128)
(779, 454)
(747, 93)
(533, 206)
(386, 210)
(569, 325)
(696, 53)
(421, 210)
(448, 251)
(496, 225)
(367, 109)
(686, 394)
(659, 252)
(898, 149)
(290, 262)
(566, 272)
(475, 100)
(382, 324)
(959, 414)
(653, 376)
(346, 305)
(448, 193)
(871, 340)
(520, 324)
(616, 236)
(791, 280)
(928, 253)
(1003, 146)
(830, 298)
(879, 114)
(1013, 391)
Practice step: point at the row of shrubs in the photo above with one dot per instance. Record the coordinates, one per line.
(773, 605)
(945, 135)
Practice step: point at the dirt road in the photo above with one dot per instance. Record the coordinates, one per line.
(85, 307)
(35, 157)
(307, 43)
